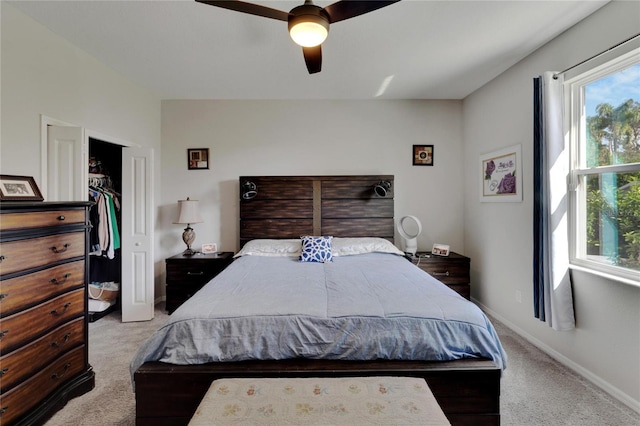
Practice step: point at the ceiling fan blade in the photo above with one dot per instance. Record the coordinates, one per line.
(313, 58)
(345, 9)
(250, 8)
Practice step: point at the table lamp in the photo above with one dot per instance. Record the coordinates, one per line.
(188, 214)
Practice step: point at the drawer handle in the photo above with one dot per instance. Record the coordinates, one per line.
(3, 295)
(56, 376)
(3, 410)
(441, 274)
(2, 258)
(3, 371)
(62, 281)
(61, 217)
(65, 339)
(3, 333)
(62, 250)
(195, 273)
(65, 308)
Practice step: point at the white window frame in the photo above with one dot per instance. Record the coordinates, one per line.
(575, 120)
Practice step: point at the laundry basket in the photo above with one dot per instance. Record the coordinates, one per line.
(105, 291)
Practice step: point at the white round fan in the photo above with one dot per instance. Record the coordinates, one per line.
(409, 227)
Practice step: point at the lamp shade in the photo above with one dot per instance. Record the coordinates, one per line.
(188, 212)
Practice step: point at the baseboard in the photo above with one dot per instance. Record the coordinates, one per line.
(596, 380)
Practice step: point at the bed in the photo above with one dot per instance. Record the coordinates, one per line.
(365, 311)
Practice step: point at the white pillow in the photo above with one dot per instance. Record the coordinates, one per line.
(351, 246)
(282, 248)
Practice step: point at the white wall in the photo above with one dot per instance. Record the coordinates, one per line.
(44, 74)
(605, 346)
(310, 138)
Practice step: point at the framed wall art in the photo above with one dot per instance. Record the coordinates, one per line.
(198, 158)
(501, 175)
(19, 188)
(423, 155)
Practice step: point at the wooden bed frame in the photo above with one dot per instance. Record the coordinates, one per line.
(287, 207)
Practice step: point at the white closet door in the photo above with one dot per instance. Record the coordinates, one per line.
(66, 164)
(137, 286)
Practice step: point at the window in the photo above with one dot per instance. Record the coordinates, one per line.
(604, 130)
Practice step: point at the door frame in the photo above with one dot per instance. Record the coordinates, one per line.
(88, 134)
(46, 121)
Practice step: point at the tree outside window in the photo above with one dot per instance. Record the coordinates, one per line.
(610, 169)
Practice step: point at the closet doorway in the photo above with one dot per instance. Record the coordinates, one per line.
(67, 150)
(105, 254)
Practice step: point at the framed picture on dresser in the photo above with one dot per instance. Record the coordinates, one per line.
(19, 188)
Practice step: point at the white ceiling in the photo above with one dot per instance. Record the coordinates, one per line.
(425, 49)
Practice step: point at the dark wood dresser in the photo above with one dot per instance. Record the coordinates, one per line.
(187, 274)
(452, 270)
(43, 309)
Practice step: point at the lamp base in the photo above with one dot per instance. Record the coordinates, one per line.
(188, 236)
(189, 252)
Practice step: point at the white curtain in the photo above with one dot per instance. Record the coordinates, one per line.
(552, 279)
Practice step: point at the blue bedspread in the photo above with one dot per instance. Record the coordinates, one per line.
(369, 306)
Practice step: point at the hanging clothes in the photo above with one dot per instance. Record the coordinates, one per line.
(106, 238)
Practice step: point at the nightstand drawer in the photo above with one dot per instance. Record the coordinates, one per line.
(448, 272)
(193, 273)
(187, 274)
(452, 270)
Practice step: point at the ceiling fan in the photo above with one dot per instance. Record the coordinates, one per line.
(308, 23)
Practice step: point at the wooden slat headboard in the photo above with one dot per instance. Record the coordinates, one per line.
(291, 206)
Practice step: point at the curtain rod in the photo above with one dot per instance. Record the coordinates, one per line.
(555, 76)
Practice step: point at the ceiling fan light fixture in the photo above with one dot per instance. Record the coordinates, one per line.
(308, 25)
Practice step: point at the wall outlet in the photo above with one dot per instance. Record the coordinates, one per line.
(518, 296)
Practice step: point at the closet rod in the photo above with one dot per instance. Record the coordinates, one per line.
(555, 76)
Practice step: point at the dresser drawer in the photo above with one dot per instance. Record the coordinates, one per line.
(27, 395)
(26, 254)
(26, 220)
(25, 290)
(21, 363)
(18, 329)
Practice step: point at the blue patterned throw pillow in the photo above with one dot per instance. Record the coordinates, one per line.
(316, 249)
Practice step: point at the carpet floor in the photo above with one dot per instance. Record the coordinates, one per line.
(536, 390)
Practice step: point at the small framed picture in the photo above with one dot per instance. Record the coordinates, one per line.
(19, 188)
(209, 248)
(440, 250)
(423, 155)
(198, 158)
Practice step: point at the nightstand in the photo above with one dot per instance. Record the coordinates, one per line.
(187, 274)
(452, 270)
